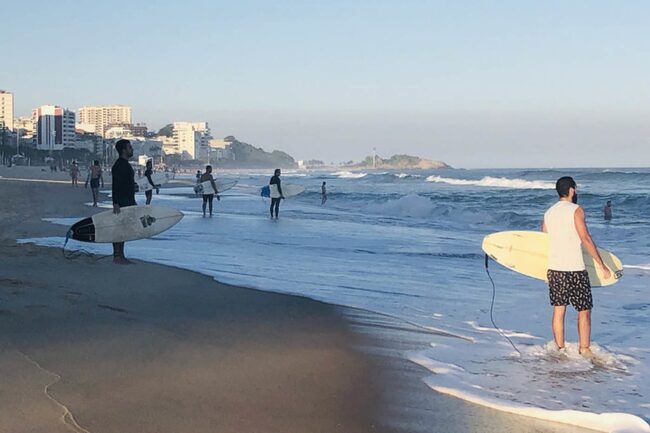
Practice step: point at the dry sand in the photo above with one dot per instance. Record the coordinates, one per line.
(149, 348)
(88, 346)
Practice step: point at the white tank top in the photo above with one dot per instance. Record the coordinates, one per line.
(565, 247)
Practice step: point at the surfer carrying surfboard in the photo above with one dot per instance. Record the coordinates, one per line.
(123, 189)
(275, 201)
(147, 173)
(208, 198)
(568, 280)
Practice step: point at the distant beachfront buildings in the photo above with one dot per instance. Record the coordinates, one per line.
(95, 129)
(190, 139)
(54, 127)
(6, 110)
(103, 117)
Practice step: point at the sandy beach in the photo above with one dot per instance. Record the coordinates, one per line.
(88, 346)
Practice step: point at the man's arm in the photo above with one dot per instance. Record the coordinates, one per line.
(587, 242)
(544, 229)
(214, 185)
(115, 188)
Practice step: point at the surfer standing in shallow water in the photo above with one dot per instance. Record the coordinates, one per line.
(275, 202)
(568, 280)
(208, 198)
(123, 191)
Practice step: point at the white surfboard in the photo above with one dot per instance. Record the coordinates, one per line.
(132, 223)
(159, 178)
(288, 190)
(206, 187)
(526, 252)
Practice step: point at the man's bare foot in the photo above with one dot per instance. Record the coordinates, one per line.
(586, 353)
(122, 261)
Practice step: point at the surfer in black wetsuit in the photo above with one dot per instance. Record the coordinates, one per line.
(123, 190)
(275, 202)
(147, 173)
(208, 198)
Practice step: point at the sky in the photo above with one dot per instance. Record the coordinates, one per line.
(473, 83)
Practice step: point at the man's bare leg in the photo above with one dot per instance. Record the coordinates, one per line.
(584, 332)
(558, 325)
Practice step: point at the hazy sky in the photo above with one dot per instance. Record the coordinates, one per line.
(474, 83)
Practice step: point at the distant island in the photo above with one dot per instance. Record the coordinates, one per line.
(399, 162)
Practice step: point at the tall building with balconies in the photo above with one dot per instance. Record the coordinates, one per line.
(54, 127)
(105, 116)
(191, 138)
(6, 109)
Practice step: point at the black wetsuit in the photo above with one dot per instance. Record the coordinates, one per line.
(275, 202)
(123, 183)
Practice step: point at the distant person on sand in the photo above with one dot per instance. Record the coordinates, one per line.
(568, 280)
(123, 190)
(94, 177)
(275, 202)
(148, 172)
(208, 198)
(74, 173)
(607, 211)
(323, 194)
(198, 177)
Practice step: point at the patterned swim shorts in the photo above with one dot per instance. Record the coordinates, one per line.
(570, 287)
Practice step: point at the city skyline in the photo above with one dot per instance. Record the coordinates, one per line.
(469, 83)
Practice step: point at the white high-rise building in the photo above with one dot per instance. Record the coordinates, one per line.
(105, 116)
(6, 109)
(191, 138)
(54, 127)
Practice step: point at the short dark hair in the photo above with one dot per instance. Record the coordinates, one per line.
(277, 170)
(208, 167)
(121, 145)
(96, 162)
(564, 184)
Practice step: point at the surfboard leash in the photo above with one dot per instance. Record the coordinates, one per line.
(80, 253)
(494, 292)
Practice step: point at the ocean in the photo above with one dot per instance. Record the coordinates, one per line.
(408, 244)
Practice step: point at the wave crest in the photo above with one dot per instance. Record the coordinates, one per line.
(495, 182)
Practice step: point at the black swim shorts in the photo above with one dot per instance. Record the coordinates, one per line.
(570, 287)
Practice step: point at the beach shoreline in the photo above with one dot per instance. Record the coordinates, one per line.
(85, 331)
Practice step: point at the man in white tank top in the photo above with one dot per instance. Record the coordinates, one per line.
(568, 280)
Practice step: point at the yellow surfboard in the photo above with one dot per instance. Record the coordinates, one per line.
(526, 252)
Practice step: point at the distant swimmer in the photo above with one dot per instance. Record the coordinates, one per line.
(607, 211)
(323, 194)
(147, 173)
(123, 190)
(74, 173)
(568, 280)
(275, 201)
(95, 177)
(208, 198)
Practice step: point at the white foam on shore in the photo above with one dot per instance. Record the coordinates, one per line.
(495, 182)
(443, 381)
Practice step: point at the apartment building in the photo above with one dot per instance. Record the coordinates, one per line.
(6, 109)
(105, 116)
(54, 127)
(191, 138)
